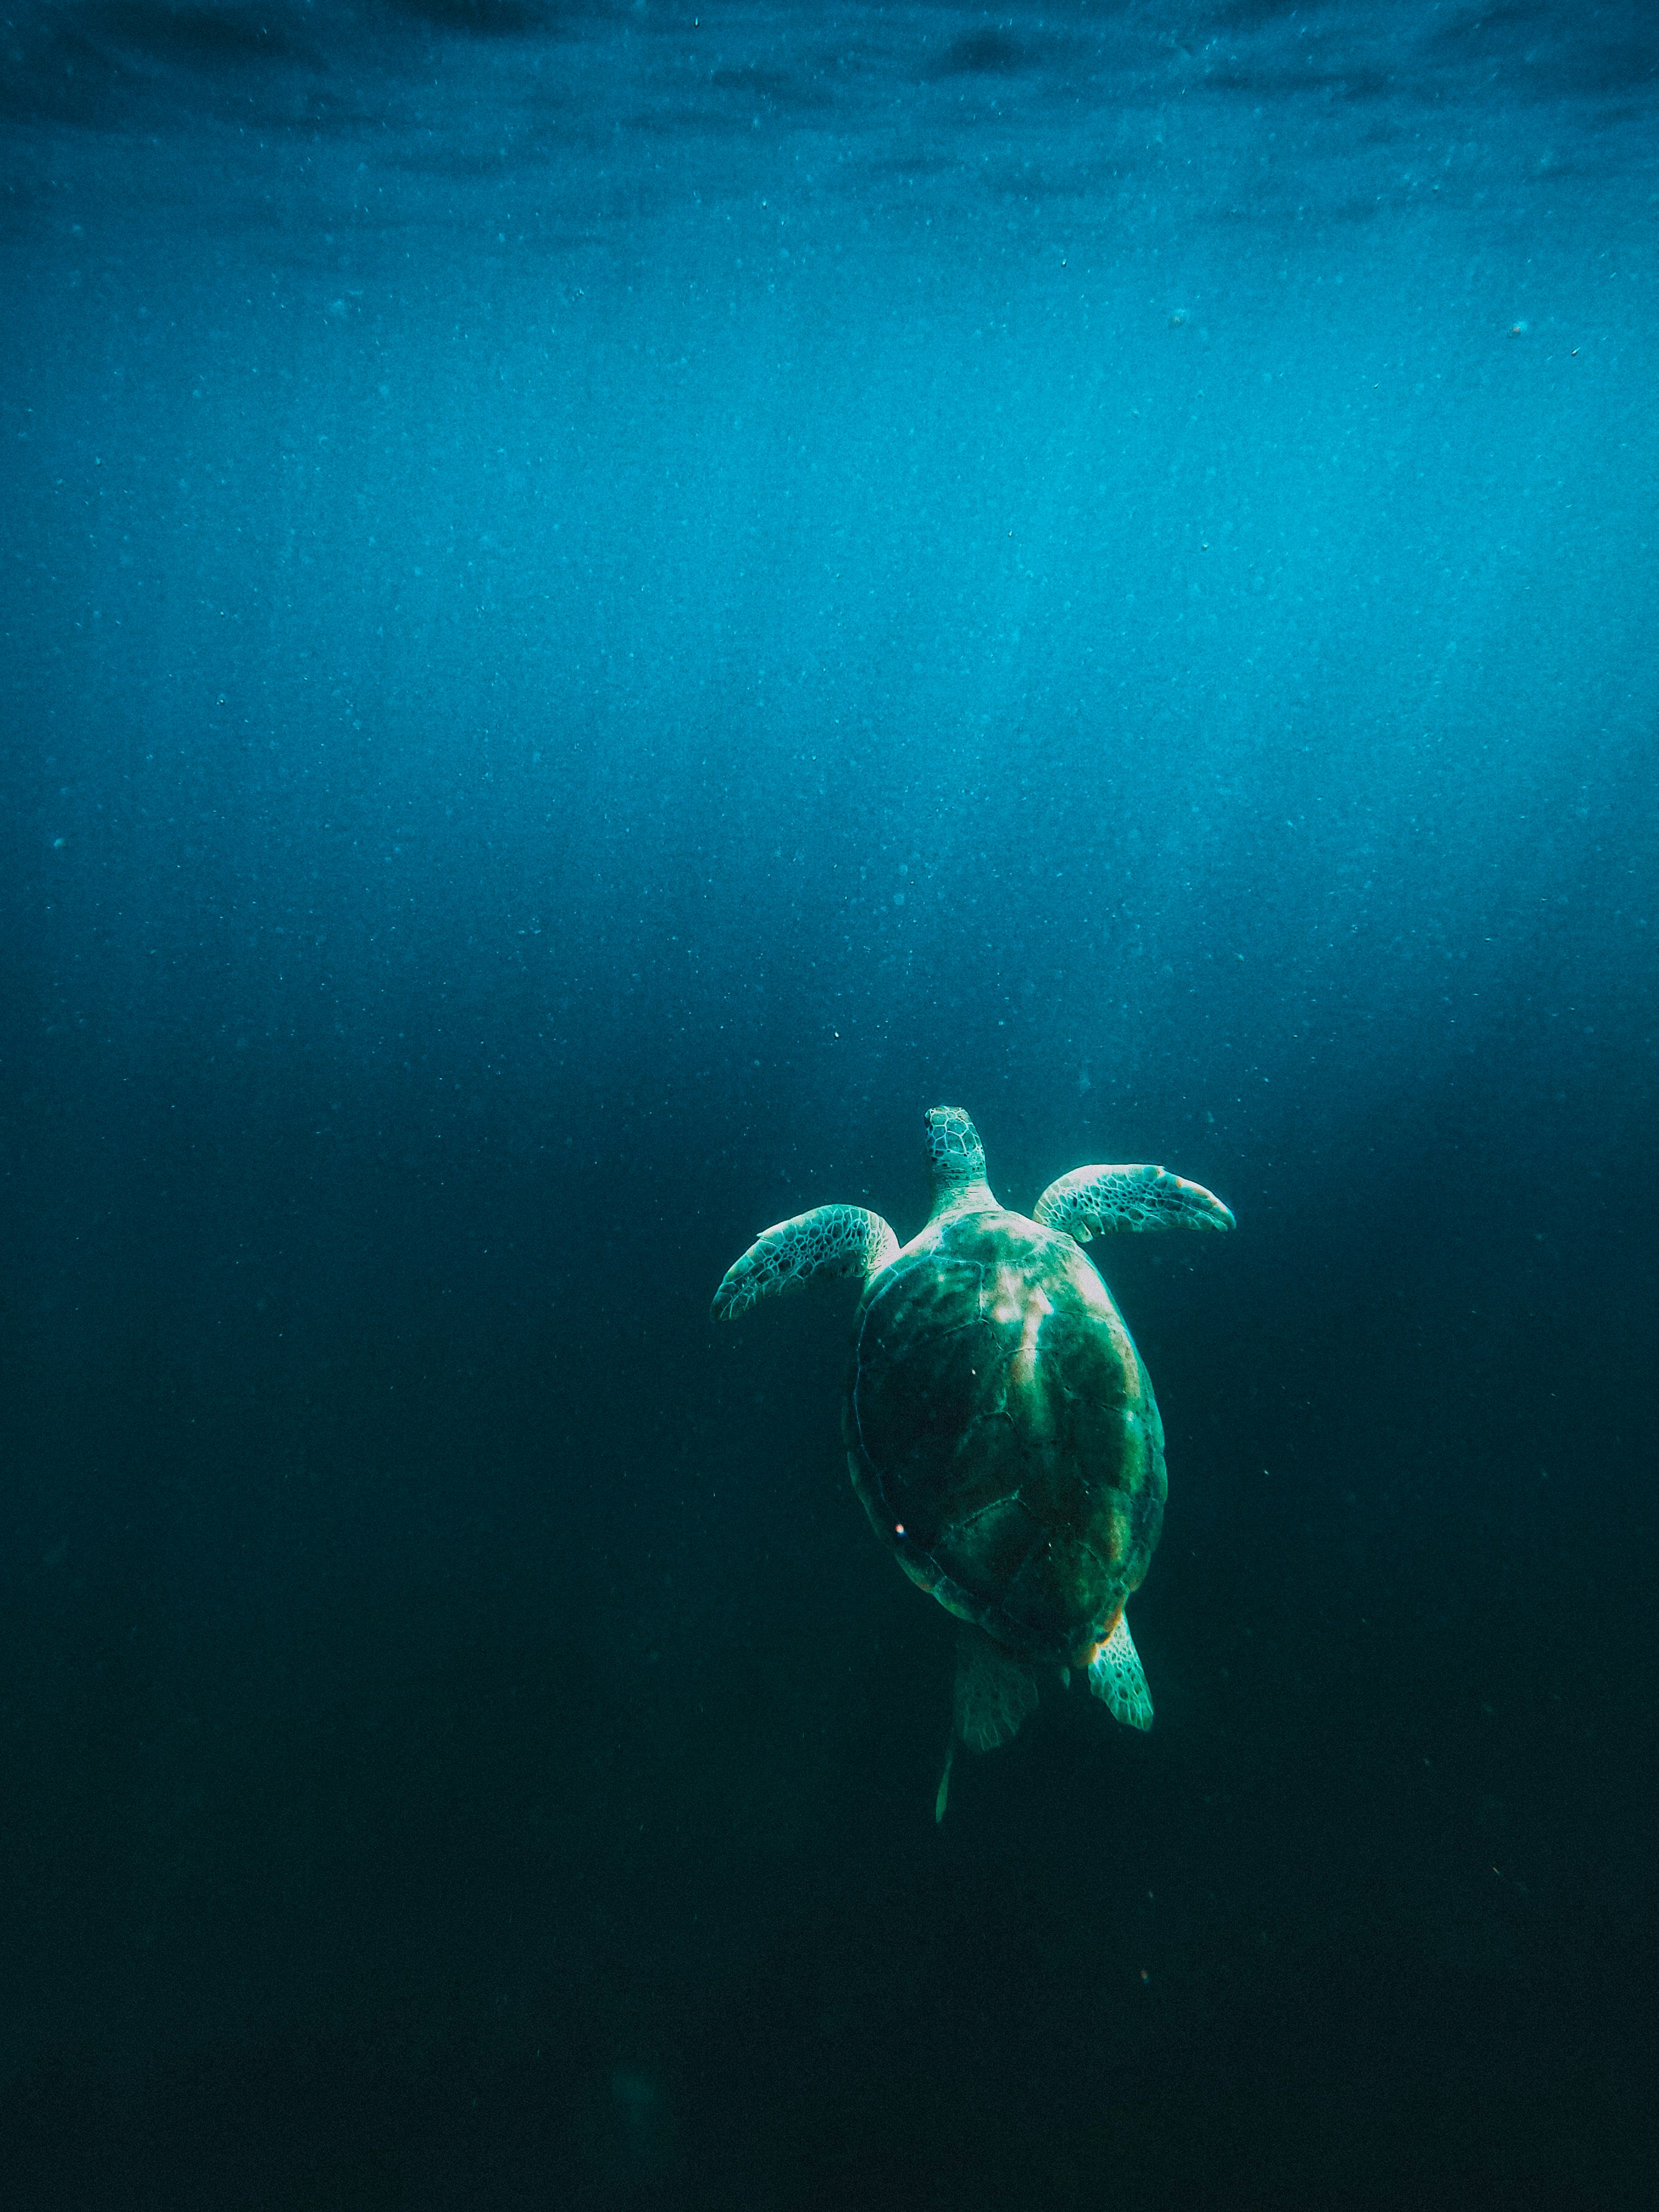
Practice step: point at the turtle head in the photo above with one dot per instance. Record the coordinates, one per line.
(956, 1159)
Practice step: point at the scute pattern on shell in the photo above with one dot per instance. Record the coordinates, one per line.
(1002, 1433)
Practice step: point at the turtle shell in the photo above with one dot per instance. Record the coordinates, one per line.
(1002, 1432)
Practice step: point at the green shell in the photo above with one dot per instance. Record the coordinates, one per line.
(1002, 1432)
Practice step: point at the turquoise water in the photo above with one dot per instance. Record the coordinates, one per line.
(601, 607)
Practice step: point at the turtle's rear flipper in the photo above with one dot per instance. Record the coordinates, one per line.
(942, 1798)
(994, 1694)
(1116, 1678)
(1090, 1200)
(830, 1240)
(994, 1691)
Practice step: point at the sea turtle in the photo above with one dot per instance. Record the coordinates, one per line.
(1000, 1426)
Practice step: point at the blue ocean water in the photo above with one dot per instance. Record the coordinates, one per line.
(602, 604)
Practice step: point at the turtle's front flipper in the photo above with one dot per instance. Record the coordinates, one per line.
(1117, 1679)
(1090, 1200)
(830, 1240)
(994, 1691)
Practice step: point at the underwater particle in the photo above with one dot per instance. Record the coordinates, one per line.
(1517, 330)
(1178, 316)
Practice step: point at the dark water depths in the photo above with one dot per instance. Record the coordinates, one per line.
(599, 607)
